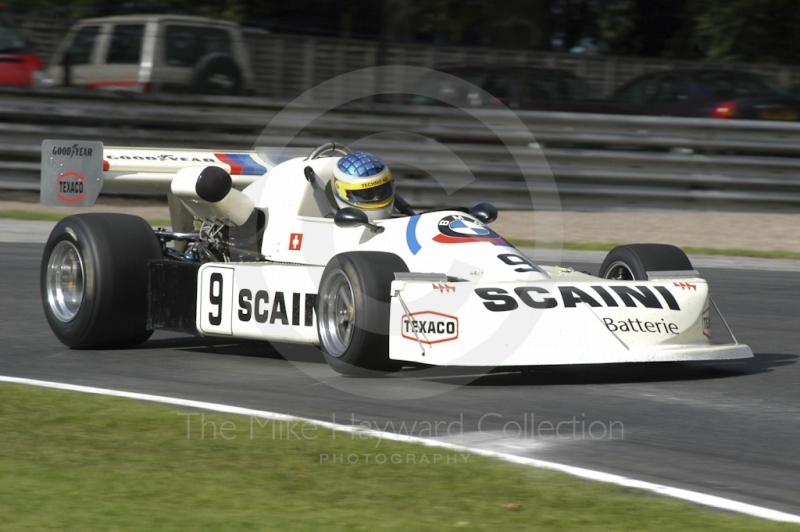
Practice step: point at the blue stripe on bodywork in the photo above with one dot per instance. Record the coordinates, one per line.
(411, 235)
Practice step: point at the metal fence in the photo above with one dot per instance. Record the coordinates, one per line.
(287, 65)
(597, 161)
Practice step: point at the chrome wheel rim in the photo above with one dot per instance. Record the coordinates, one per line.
(619, 271)
(337, 314)
(65, 281)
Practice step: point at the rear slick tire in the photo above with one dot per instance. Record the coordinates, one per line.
(93, 280)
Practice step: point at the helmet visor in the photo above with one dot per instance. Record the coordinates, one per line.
(376, 194)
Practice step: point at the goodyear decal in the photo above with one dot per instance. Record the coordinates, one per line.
(241, 163)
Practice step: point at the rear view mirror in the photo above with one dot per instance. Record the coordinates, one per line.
(485, 212)
(350, 217)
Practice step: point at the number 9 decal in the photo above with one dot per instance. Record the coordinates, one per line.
(524, 265)
(215, 300)
(215, 297)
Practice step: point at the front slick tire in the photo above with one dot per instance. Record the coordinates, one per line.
(93, 280)
(353, 312)
(633, 261)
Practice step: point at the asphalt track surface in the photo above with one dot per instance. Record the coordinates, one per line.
(727, 428)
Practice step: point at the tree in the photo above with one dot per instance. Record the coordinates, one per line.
(498, 23)
(641, 27)
(78, 9)
(763, 31)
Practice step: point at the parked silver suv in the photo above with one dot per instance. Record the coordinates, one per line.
(154, 53)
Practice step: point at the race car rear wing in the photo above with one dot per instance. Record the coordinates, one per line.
(74, 172)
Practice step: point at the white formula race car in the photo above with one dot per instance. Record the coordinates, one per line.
(259, 250)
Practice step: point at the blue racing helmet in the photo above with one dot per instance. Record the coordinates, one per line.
(362, 180)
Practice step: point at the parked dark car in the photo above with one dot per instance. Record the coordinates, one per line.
(539, 89)
(708, 93)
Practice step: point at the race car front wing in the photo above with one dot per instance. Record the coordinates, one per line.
(551, 323)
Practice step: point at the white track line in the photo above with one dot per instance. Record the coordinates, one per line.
(692, 496)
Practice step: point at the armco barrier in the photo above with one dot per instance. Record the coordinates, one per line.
(598, 161)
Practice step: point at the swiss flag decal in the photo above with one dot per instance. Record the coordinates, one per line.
(295, 241)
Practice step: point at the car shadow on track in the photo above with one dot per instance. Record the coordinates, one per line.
(624, 373)
(241, 348)
(481, 376)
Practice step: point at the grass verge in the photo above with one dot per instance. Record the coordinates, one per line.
(72, 461)
(607, 246)
(31, 215)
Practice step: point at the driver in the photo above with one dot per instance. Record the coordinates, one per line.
(363, 181)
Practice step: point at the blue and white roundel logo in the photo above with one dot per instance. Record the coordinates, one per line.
(465, 228)
(457, 229)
